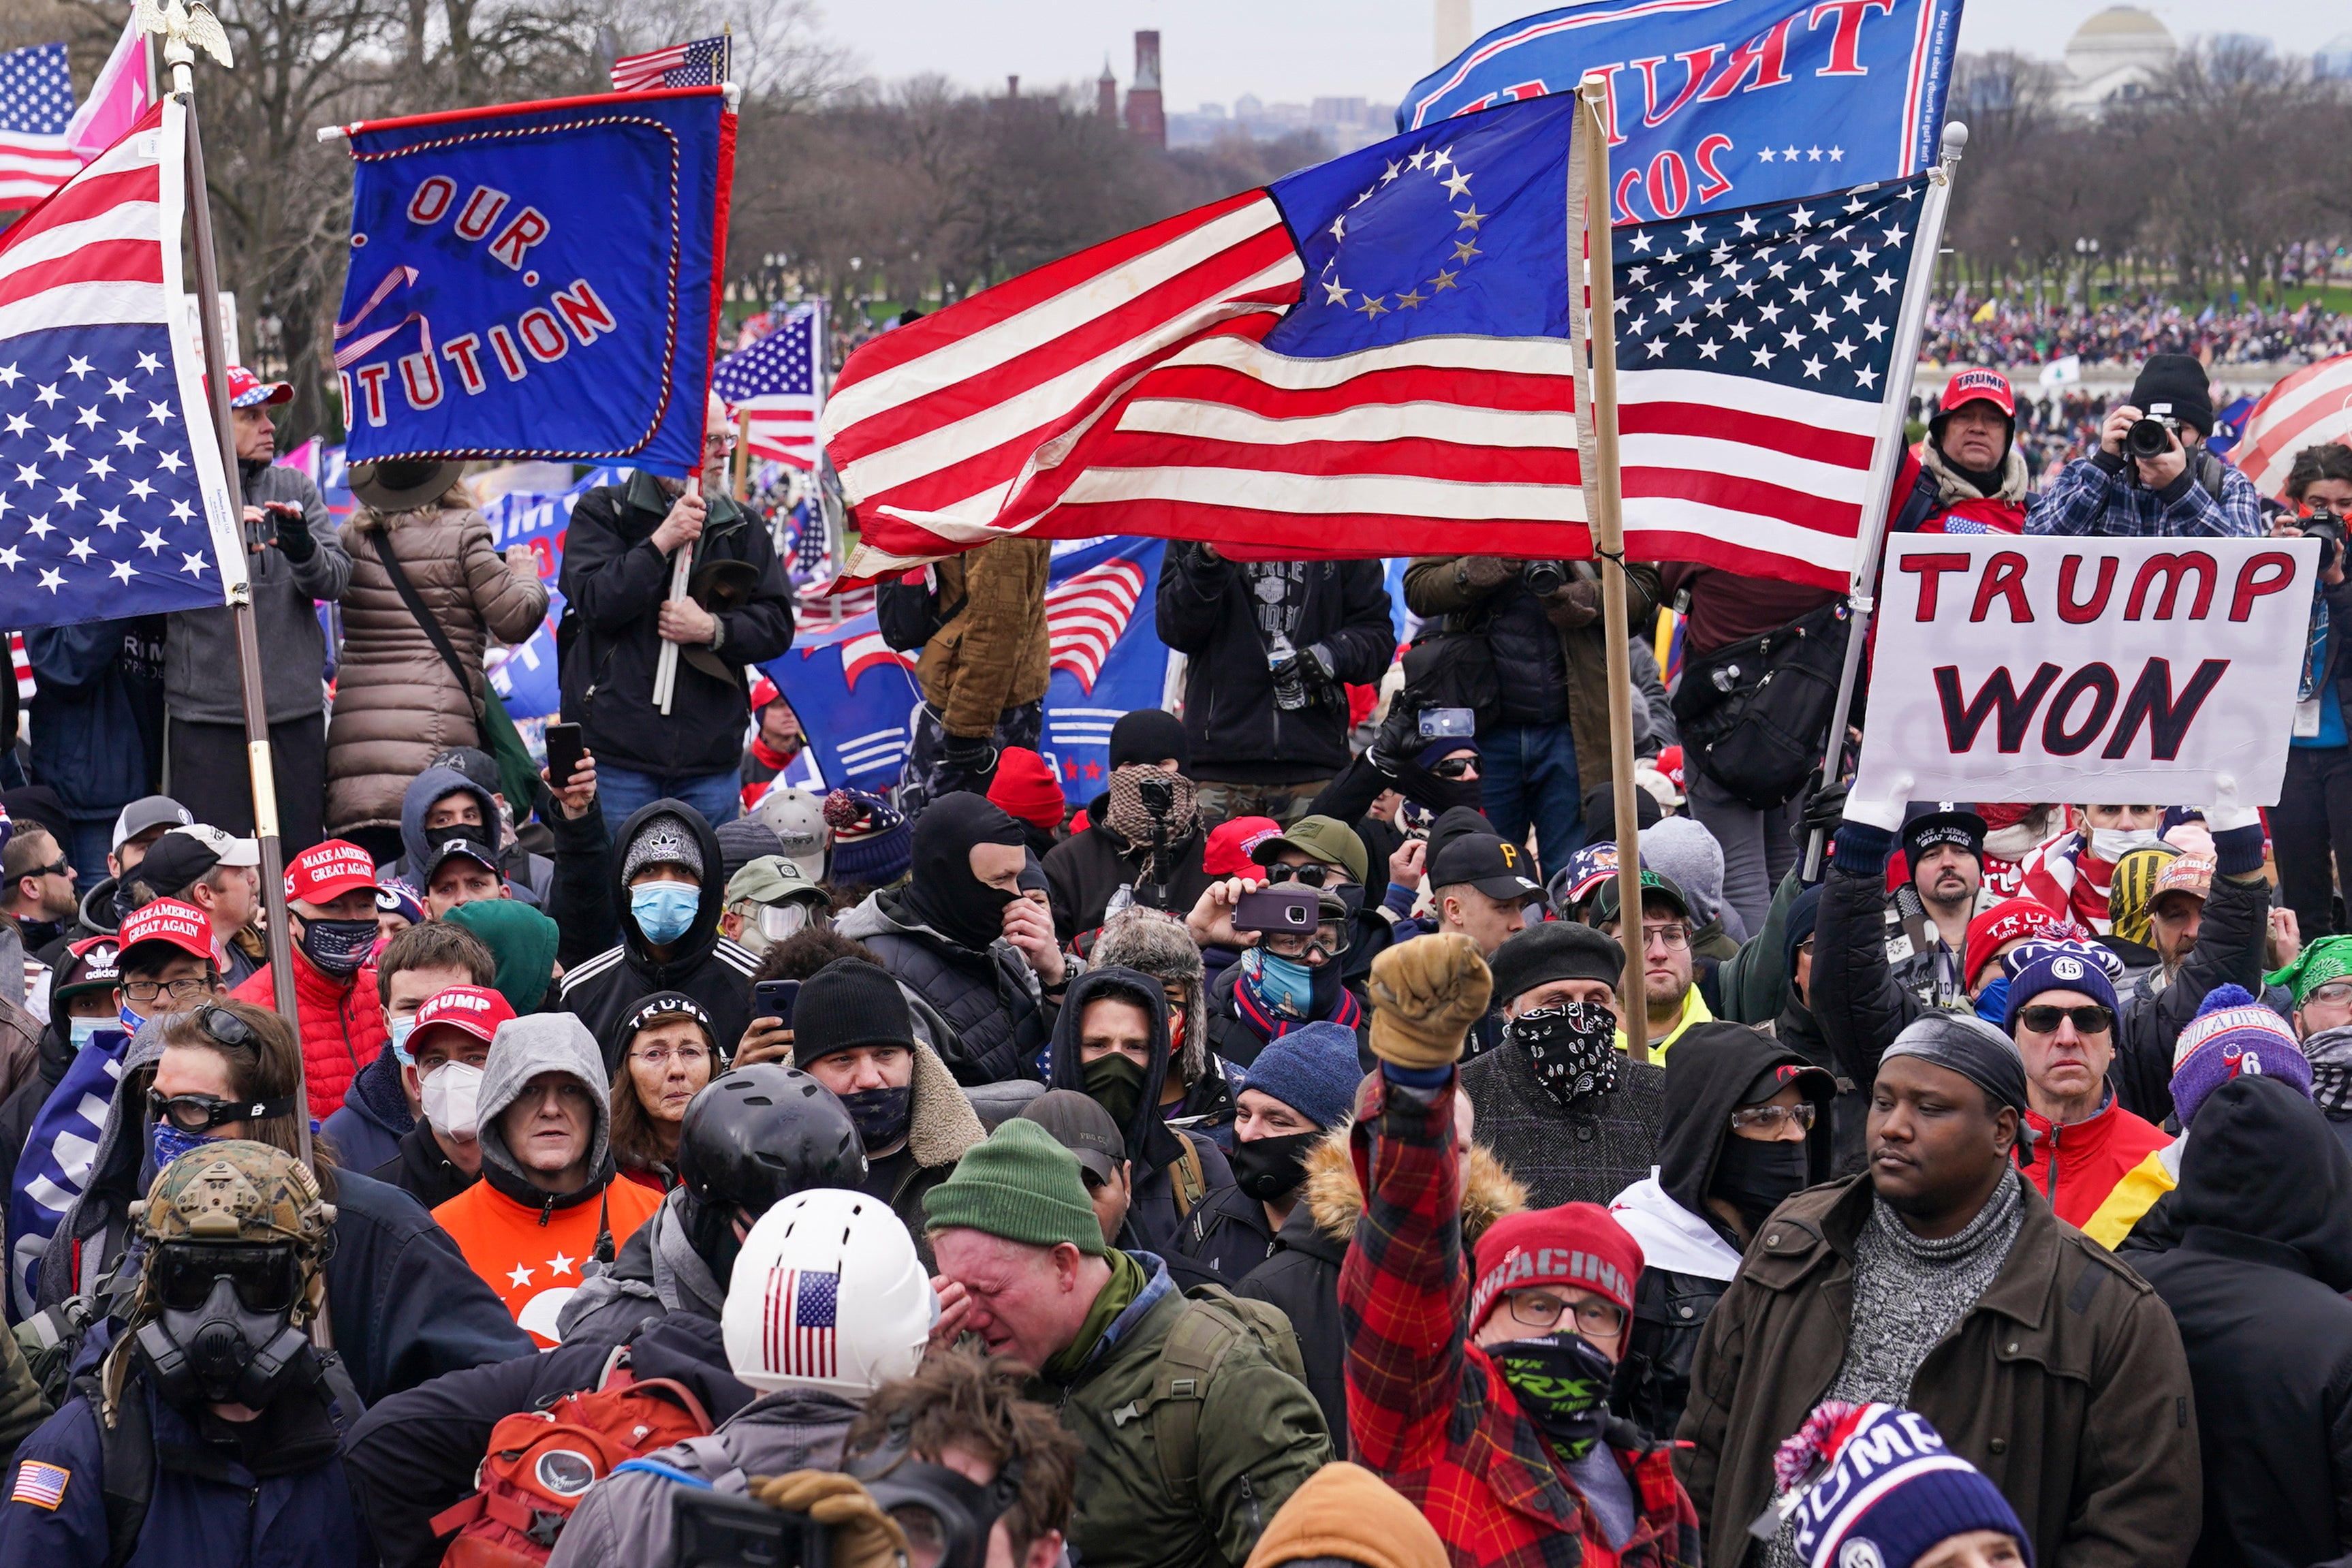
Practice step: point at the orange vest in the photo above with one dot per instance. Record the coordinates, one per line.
(531, 1260)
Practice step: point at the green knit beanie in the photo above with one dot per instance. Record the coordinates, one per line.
(1019, 1185)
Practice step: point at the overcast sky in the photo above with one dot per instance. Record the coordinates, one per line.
(1292, 50)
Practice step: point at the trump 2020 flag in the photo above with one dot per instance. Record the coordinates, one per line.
(537, 280)
(1725, 103)
(112, 499)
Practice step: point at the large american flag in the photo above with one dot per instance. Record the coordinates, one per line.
(36, 104)
(774, 389)
(799, 1322)
(2310, 407)
(702, 63)
(109, 476)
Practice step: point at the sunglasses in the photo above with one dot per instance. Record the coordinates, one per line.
(1316, 875)
(1456, 768)
(2088, 1019)
(225, 1028)
(265, 1276)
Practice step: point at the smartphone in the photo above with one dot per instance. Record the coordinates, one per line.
(774, 999)
(716, 1530)
(564, 747)
(1277, 910)
(1448, 724)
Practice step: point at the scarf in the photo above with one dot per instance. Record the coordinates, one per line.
(1134, 821)
(767, 756)
(1334, 1003)
(2330, 1055)
(1572, 1046)
(1127, 1283)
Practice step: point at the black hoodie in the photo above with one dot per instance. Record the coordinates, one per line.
(2256, 1285)
(1708, 1075)
(603, 991)
(1154, 1148)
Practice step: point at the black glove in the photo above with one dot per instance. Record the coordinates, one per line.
(1825, 811)
(965, 762)
(294, 541)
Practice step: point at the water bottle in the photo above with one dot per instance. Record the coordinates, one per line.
(1281, 662)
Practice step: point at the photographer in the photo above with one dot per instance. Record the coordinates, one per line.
(2152, 477)
(2314, 815)
(293, 558)
(1541, 624)
(1271, 647)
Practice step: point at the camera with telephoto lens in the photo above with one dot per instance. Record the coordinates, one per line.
(1544, 578)
(2150, 436)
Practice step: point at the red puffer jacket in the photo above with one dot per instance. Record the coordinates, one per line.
(343, 1026)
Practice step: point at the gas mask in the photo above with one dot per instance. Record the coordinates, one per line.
(947, 1517)
(224, 1330)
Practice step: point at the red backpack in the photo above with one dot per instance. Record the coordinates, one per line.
(540, 1462)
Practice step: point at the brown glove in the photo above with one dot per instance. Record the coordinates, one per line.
(1487, 571)
(1427, 993)
(863, 1535)
(1575, 606)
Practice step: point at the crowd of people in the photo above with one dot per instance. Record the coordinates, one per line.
(2119, 334)
(1261, 1161)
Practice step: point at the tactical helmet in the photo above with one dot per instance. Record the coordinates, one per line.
(232, 1189)
(753, 1137)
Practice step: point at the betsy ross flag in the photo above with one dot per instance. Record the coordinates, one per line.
(800, 1322)
(702, 63)
(36, 104)
(112, 501)
(772, 387)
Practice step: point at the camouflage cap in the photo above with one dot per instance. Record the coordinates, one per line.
(233, 1190)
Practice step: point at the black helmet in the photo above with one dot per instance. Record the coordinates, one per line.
(763, 1133)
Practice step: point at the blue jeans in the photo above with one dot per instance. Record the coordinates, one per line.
(622, 791)
(91, 840)
(1526, 777)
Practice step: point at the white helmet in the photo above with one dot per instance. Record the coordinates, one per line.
(827, 1293)
(797, 817)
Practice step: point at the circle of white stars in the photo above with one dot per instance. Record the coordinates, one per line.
(1439, 165)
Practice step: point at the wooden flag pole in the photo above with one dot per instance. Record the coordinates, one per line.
(1608, 525)
(178, 55)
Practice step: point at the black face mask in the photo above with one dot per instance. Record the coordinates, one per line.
(942, 892)
(1268, 1168)
(338, 947)
(1417, 784)
(222, 1351)
(1572, 1046)
(1115, 1082)
(1561, 1383)
(1755, 1178)
(881, 1115)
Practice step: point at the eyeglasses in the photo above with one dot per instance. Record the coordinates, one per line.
(2334, 993)
(659, 1056)
(1313, 875)
(1329, 941)
(2088, 1019)
(1771, 1119)
(177, 990)
(266, 1277)
(718, 446)
(1676, 937)
(1456, 768)
(1542, 1309)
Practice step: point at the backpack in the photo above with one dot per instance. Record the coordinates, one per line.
(1754, 715)
(1213, 1321)
(907, 610)
(540, 1463)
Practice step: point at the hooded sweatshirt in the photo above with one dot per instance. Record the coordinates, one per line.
(528, 1245)
(714, 971)
(2257, 1286)
(529, 877)
(1173, 1169)
(1689, 1253)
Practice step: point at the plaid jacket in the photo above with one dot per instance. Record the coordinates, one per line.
(2102, 496)
(1428, 1411)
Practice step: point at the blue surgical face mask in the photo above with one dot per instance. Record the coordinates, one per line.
(664, 911)
(1992, 1005)
(400, 1030)
(84, 1028)
(169, 1143)
(1283, 985)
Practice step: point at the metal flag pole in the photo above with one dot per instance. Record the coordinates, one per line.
(1608, 526)
(1887, 453)
(182, 32)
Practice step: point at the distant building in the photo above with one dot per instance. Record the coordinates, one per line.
(1452, 31)
(1145, 118)
(2333, 60)
(1106, 93)
(2117, 56)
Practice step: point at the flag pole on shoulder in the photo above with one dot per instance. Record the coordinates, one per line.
(1886, 454)
(183, 32)
(1597, 425)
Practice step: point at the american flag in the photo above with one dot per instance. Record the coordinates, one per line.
(772, 388)
(106, 484)
(42, 1485)
(702, 63)
(1086, 613)
(36, 103)
(799, 1323)
(2310, 407)
(1753, 352)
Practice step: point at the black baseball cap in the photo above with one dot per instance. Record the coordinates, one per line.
(184, 854)
(1080, 1124)
(460, 839)
(1495, 866)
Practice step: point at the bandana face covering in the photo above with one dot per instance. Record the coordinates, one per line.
(1130, 814)
(1561, 1383)
(169, 1143)
(1572, 1046)
(2330, 1053)
(1281, 985)
(1115, 1082)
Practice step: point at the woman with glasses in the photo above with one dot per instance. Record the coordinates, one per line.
(667, 1055)
(1747, 1125)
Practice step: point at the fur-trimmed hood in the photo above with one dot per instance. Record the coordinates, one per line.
(942, 1123)
(1489, 1191)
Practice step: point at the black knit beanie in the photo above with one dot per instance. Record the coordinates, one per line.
(849, 1001)
(2178, 381)
(1149, 735)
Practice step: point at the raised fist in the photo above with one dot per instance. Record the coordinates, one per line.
(1427, 993)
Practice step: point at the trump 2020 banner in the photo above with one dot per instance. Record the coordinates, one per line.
(2012, 669)
(1725, 103)
(537, 280)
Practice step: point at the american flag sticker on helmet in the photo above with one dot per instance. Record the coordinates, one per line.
(43, 1485)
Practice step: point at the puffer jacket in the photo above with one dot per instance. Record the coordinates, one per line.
(342, 1026)
(999, 1015)
(2066, 1385)
(993, 655)
(1302, 1278)
(1431, 590)
(397, 704)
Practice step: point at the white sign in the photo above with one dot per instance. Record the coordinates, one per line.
(2089, 670)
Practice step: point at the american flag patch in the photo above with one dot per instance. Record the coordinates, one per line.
(43, 1485)
(800, 1322)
